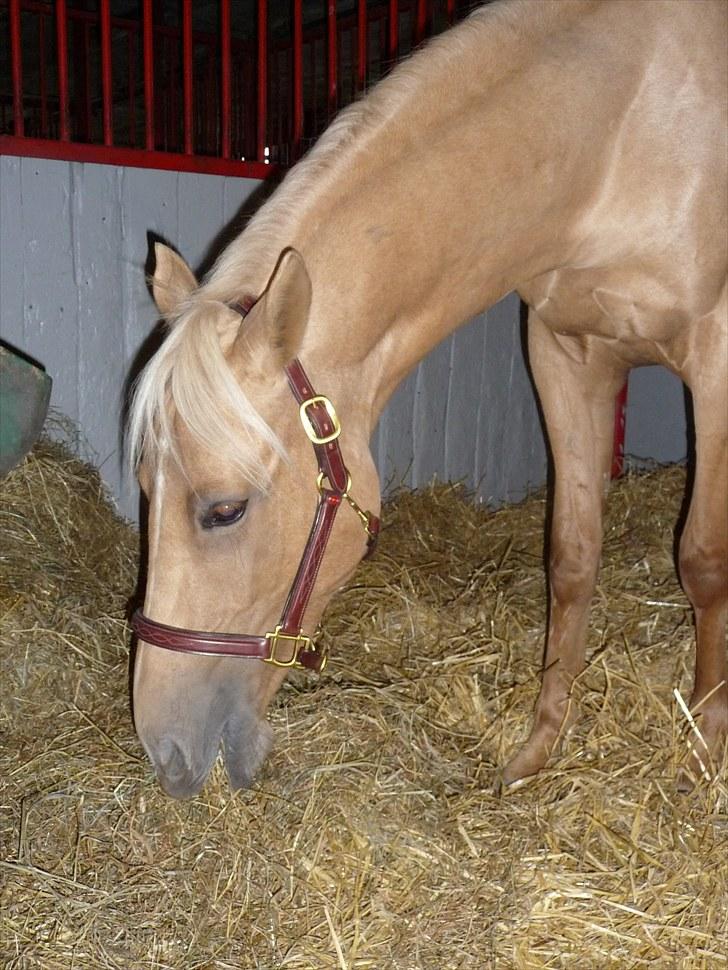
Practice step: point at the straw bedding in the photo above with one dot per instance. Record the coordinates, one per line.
(377, 836)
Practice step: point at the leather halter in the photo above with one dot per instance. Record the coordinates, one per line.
(287, 645)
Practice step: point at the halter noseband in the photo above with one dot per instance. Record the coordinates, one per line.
(287, 645)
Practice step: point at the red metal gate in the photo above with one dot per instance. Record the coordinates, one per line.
(168, 84)
(157, 84)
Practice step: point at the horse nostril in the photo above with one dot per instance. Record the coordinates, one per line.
(170, 759)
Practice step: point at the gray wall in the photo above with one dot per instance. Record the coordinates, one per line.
(73, 247)
(468, 413)
(656, 416)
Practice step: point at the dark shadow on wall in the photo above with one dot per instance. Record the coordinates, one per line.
(690, 477)
(237, 224)
(544, 431)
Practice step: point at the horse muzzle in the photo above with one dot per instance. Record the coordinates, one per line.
(182, 774)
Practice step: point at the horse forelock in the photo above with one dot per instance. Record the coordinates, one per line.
(190, 379)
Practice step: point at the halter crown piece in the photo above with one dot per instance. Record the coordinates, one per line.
(287, 645)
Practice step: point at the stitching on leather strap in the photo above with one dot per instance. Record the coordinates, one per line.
(308, 569)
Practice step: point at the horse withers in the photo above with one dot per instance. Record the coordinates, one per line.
(591, 143)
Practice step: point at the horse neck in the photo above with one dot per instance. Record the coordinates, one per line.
(408, 243)
(434, 197)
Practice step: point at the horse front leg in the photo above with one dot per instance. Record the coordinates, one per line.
(577, 383)
(703, 563)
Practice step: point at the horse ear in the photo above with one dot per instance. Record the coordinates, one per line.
(286, 305)
(173, 280)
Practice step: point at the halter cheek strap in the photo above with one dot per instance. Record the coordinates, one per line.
(287, 645)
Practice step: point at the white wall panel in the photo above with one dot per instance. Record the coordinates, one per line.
(467, 362)
(50, 288)
(12, 288)
(96, 215)
(74, 243)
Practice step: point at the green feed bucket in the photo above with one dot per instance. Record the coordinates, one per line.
(25, 390)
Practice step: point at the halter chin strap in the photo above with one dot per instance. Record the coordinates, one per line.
(287, 645)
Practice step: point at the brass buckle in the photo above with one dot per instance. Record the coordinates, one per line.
(300, 642)
(308, 424)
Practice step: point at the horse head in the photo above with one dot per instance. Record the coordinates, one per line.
(226, 461)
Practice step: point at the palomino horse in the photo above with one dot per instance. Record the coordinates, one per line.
(590, 145)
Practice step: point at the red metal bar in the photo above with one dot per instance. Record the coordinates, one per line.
(311, 49)
(211, 133)
(297, 77)
(132, 157)
(87, 132)
(361, 45)
(187, 76)
(131, 46)
(262, 114)
(147, 16)
(225, 101)
(64, 125)
(17, 69)
(420, 21)
(106, 81)
(43, 80)
(182, 133)
(162, 107)
(331, 57)
(170, 101)
(450, 11)
(277, 100)
(393, 37)
(620, 424)
(173, 96)
(245, 135)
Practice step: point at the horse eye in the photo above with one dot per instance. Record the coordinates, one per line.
(223, 513)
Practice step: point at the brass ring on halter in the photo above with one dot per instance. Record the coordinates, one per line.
(323, 477)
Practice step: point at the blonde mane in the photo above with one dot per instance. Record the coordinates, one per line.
(189, 375)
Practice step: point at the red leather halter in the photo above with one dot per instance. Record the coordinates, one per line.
(287, 645)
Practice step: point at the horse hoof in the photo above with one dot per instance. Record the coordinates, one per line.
(701, 771)
(708, 758)
(528, 761)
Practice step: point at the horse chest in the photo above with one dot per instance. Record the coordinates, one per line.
(638, 316)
